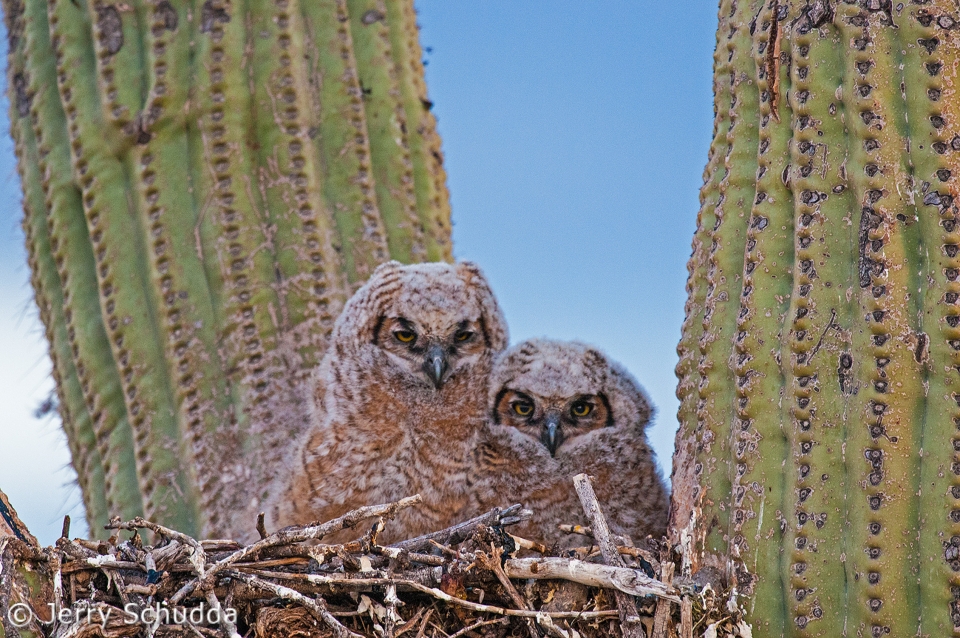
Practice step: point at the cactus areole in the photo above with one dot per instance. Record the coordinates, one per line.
(817, 472)
(205, 183)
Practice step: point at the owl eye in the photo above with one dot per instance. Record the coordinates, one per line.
(522, 408)
(405, 336)
(581, 409)
(465, 335)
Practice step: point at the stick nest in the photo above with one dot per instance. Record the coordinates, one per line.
(473, 579)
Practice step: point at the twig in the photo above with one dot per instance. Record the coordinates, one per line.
(229, 627)
(524, 543)
(317, 607)
(65, 530)
(116, 579)
(400, 554)
(462, 531)
(624, 579)
(449, 551)
(261, 527)
(423, 625)
(629, 616)
(662, 615)
(477, 625)
(410, 624)
(587, 530)
(686, 618)
(390, 621)
(492, 563)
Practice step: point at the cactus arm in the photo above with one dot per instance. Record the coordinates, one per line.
(935, 171)
(74, 260)
(75, 417)
(343, 145)
(817, 336)
(688, 487)
(387, 130)
(430, 188)
(122, 275)
(758, 483)
(724, 270)
(881, 442)
(310, 285)
(186, 321)
(118, 46)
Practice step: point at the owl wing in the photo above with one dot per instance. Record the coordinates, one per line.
(626, 478)
(510, 467)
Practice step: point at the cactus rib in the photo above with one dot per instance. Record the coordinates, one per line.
(308, 269)
(688, 468)
(234, 231)
(386, 129)
(758, 491)
(186, 321)
(930, 108)
(881, 444)
(432, 198)
(818, 354)
(343, 144)
(128, 310)
(725, 266)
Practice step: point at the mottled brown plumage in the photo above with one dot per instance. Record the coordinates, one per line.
(401, 399)
(557, 409)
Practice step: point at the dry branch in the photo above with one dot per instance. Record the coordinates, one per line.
(462, 531)
(629, 616)
(624, 579)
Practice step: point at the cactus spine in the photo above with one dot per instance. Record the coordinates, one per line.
(204, 185)
(822, 478)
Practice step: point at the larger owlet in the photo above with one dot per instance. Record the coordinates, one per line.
(401, 398)
(558, 409)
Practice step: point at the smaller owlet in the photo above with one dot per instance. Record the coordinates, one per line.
(401, 399)
(558, 409)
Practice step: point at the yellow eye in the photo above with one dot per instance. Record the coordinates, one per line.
(523, 409)
(405, 336)
(464, 336)
(582, 409)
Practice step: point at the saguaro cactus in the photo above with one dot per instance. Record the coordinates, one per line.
(204, 184)
(818, 462)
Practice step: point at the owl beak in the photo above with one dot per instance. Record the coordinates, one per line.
(552, 436)
(435, 365)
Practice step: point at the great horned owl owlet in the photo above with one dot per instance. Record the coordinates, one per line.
(402, 398)
(560, 408)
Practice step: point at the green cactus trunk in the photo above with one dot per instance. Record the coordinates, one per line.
(817, 472)
(205, 183)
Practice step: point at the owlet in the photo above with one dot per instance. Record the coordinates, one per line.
(401, 399)
(558, 409)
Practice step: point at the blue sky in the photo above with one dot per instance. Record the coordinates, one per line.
(575, 136)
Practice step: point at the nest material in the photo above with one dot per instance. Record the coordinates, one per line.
(473, 579)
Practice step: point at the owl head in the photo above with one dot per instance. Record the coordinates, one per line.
(427, 322)
(554, 391)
